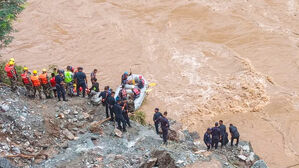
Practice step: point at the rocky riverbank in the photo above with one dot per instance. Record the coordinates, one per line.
(47, 133)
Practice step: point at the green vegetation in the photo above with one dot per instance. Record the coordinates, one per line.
(139, 116)
(3, 76)
(9, 9)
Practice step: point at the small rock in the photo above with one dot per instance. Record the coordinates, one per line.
(4, 107)
(242, 157)
(68, 134)
(179, 162)
(117, 132)
(16, 150)
(61, 116)
(75, 112)
(246, 148)
(67, 111)
(259, 164)
(86, 115)
(27, 144)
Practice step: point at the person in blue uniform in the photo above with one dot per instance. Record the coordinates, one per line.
(119, 116)
(207, 138)
(155, 119)
(105, 94)
(234, 134)
(81, 81)
(215, 136)
(164, 126)
(110, 104)
(59, 86)
(223, 133)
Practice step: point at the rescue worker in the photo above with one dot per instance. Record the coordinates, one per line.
(110, 103)
(94, 88)
(164, 126)
(207, 138)
(60, 86)
(155, 119)
(223, 133)
(131, 105)
(11, 74)
(215, 136)
(93, 74)
(125, 112)
(44, 79)
(105, 95)
(136, 92)
(140, 82)
(234, 134)
(123, 92)
(81, 81)
(124, 78)
(27, 81)
(68, 80)
(119, 116)
(53, 84)
(36, 84)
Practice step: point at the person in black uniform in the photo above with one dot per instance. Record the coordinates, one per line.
(59, 86)
(223, 133)
(234, 134)
(215, 135)
(207, 138)
(165, 126)
(125, 112)
(119, 116)
(155, 119)
(105, 95)
(81, 81)
(110, 104)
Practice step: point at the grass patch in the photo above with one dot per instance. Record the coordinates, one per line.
(139, 116)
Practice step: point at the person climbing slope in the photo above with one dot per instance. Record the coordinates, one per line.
(11, 74)
(27, 82)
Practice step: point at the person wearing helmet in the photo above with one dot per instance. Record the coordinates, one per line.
(53, 85)
(124, 78)
(44, 79)
(11, 74)
(60, 86)
(27, 82)
(68, 80)
(36, 84)
(140, 82)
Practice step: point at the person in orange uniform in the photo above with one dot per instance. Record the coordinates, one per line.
(36, 84)
(27, 81)
(45, 83)
(11, 74)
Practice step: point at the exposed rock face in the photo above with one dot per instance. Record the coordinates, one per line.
(58, 134)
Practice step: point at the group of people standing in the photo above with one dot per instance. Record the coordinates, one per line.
(218, 134)
(59, 83)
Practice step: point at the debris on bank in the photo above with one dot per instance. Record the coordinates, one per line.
(49, 134)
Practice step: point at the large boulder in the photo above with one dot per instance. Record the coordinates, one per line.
(160, 159)
(259, 164)
(4, 163)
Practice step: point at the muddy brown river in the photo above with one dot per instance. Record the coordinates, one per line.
(236, 60)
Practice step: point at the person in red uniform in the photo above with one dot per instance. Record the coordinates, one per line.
(11, 74)
(53, 84)
(36, 84)
(27, 82)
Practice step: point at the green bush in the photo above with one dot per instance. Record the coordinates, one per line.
(9, 9)
(3, 76)
(139, 116)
